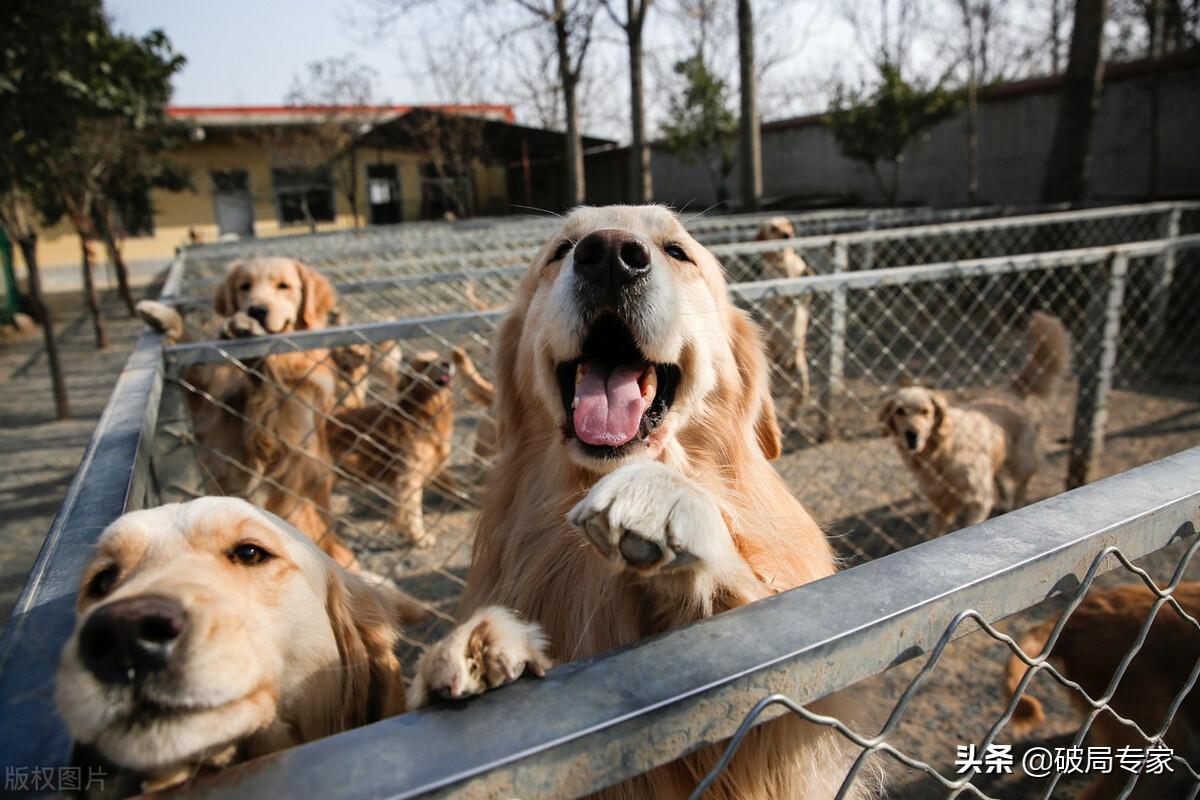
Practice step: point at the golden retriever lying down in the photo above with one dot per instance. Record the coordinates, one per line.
(1089, 650)
(961, 456)
(262, 438)
(786, 328)
(633, 492)
(402, 443)
(210, 632)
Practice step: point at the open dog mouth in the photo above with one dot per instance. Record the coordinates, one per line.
(612, 394)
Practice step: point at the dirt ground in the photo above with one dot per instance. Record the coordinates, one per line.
(39, 454)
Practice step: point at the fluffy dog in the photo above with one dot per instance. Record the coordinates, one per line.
(633, 491)
(961, 456)
(787, 317)
(210, 632)
(261, 435)
(1089, 650)
(401, 444)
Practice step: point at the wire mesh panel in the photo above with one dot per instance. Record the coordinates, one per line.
(377, 438)
(380, 284)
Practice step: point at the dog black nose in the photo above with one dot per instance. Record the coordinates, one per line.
(130, 638)
(612, 259)
(911, 438)
(258, 313)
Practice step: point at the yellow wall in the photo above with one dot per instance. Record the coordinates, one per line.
(177, 212)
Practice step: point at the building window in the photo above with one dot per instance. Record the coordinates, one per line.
(303, 195)
(444, 190)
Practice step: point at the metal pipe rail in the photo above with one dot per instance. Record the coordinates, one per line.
(183, 355)
(435, 270)
(593, 723)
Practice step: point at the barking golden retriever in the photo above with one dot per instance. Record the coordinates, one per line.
(261, 436)
(401, 444)
(786, 323)
(1096, 638)
(209, 632)
(633, 492)
(961, 456)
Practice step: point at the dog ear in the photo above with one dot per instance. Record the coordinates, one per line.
(750, 356)
(365, 623)
(766, 429)
(940, 406)
(317, 300)
(226, 301)
(885, 417)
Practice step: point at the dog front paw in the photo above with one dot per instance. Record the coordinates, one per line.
(161, 318)
(649, 518)
(241, 326)
(492, 648)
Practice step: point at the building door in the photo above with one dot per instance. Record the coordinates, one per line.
(232, 205)
(383, 193)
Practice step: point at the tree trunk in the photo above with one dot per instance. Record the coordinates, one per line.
(1067, 169)
(89, 291)
(352, 194)
(751, 143)
(104, 219)
(29, 252)
(641, 181)
(576, 187)
(1156, 18)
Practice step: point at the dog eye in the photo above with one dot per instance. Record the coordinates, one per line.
(245, 287)
(676, 252)
(282, 286)
(248, 554)
(562, 251)
(102, 582)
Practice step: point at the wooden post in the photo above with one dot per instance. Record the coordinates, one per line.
(836, 364)
(1097, 357)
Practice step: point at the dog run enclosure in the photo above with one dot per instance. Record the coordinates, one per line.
(956, 325)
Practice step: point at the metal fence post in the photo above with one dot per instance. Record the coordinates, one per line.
(1098, 355)
(837, 346)
(1163, 275)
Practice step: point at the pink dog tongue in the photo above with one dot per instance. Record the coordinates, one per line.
(608, 405)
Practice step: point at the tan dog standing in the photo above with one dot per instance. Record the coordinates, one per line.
(962, 456)
(210, 632)
(633, 491)
(786, 326)
(403, 442)
(261, 436)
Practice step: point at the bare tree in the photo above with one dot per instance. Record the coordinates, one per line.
(341, 93)
(749, 135)
(18, 216)
(978, 19)
(633, 23)
(1068, 167)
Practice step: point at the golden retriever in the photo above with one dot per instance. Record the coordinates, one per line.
(261, 436)
(211, 632)
(633, 491)
(961, 456)
(787, 318)
(1089, 651)
(403, 442)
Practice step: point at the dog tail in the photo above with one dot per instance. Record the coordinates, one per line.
(1049, 355)
(1029, 712)
(477, 388)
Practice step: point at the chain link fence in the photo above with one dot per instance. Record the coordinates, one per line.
(391, 462)
(376, 435)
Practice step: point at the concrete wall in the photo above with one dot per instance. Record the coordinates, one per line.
(1015, 130)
